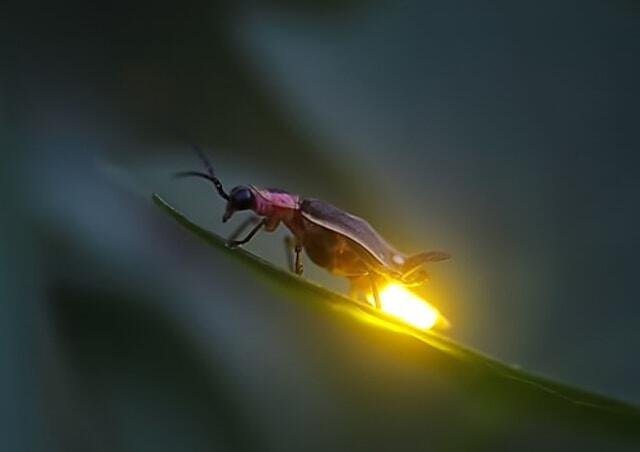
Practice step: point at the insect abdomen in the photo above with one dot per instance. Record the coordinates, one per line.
(331, 251)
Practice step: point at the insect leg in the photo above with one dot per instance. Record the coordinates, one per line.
(412, 263)
(360, 286)
(298, 263)
(234, 243)
(289, 244)
(295, 265)
(374, 290)
(241, 228)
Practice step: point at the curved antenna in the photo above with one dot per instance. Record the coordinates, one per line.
(210, 175)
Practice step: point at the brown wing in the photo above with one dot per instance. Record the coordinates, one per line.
(354, 228)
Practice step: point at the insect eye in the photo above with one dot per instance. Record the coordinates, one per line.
(242, 198)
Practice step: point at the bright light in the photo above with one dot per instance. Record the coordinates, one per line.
(399, 302)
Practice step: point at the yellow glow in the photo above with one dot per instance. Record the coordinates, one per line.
(399, 302)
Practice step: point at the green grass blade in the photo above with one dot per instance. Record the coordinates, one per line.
(505, 384)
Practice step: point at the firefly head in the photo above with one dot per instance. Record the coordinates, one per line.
(240, 198)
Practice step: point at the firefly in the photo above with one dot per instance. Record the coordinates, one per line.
(336, 240)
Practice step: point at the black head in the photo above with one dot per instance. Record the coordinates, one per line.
(240, 198)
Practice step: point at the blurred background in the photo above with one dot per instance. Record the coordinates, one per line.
(506, 134)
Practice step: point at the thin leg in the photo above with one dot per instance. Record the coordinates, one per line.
(374, 290)
(289, 244)
(234, 243)
(356, 290)
(295, 265)
(242, 227)
(298, 250)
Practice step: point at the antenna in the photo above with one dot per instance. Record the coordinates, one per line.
(210, 175)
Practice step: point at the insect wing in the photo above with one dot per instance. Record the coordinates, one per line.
(352, 227)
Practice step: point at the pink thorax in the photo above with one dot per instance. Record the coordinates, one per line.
(266, 200)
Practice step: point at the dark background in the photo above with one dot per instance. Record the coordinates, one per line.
(506, 134)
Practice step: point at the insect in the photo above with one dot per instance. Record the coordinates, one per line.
(338, 241)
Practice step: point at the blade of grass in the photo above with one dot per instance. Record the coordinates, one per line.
(624, 416)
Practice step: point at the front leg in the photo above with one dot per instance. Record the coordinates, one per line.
(252, 220)
(235, 243)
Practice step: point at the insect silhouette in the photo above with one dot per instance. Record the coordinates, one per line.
(338, 241)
